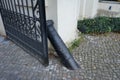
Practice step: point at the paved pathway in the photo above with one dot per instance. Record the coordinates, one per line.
(99, 58)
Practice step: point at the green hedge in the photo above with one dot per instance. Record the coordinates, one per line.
(99, 25)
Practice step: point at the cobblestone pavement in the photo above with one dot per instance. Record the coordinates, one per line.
(98, 56)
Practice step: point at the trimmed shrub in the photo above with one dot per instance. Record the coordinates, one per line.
(116, 26)
(99, 25)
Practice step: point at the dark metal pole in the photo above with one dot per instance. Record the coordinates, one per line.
(60, 47)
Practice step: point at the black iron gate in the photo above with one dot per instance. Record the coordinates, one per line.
(25, 24)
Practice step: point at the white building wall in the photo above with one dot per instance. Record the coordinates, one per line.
(95, 7)
(67, 19)
(51, 11)
(109, 9)
(2, 30)
(82, 9)
(65, 14)
(88, 8)
(105, 6)
(78, 8)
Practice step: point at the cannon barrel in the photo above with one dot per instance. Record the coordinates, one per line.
(60, 47)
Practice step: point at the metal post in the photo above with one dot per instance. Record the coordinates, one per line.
(60, 47)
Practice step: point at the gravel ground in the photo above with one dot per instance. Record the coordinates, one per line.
(98, 57)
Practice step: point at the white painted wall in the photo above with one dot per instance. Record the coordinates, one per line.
(105, 6)
(51, 11)
(95, 7)
(78, 5)
(88, 8)
(82, 9)
(2, 30)
(104, 9)
(65, 14)
(67, 19)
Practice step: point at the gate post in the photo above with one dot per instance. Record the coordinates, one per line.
(61, 49)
